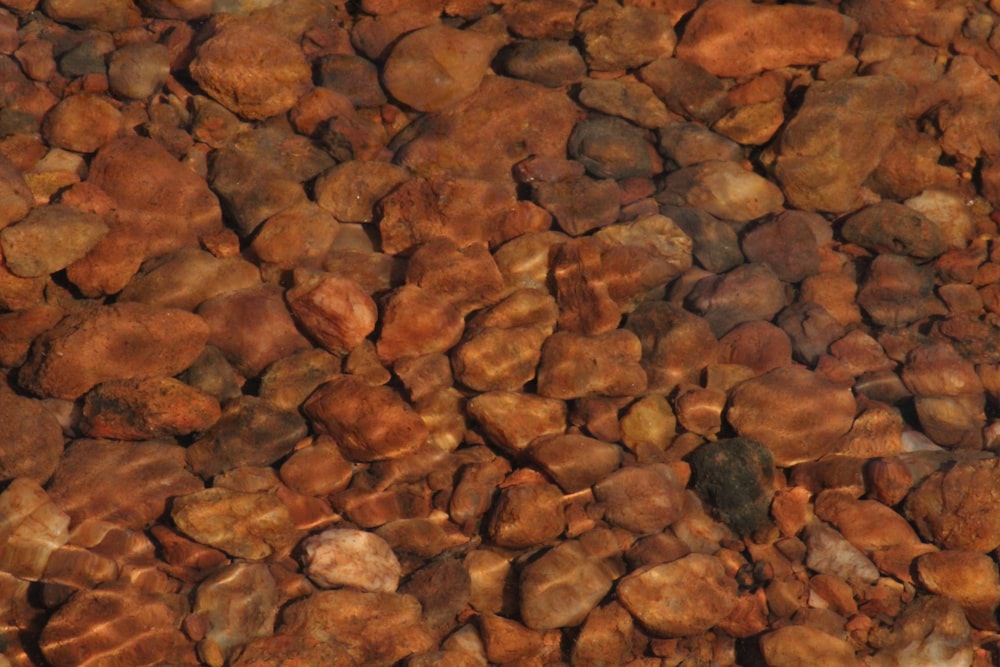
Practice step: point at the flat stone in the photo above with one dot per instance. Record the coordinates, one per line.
(50, 238)
(687, 89)
(723, 189)
(634, 101)
(244, 525)
(803, 644)
(551, 63)
(690, 143)
(142, 409)
(336, 312)
(787, 244)
(512, 420)
(609, 147)
(747, 293)
(188, 277)
(15, 197)
(894, 228)
(351, 189)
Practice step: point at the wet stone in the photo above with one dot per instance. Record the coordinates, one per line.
(417, 321)
(810, 328)
(676, 345)
(298, 236)
(444, 589)
(802, 644)
(624, 37)
(787, 244)
(894, 228)
(526, 515)
(336, 312)
(690, 143)
(50, 238)
(610, 147)
(579, 204)
(512, 420)
(351, 189)
(735, 477)
(575, 462)
(244, 525)
(33, 443)
(631, 100)
(354, 77)
(146, 408)
(897, 292)
(642, 499)
(15, 197)
(551, 63)
(723, 189)
(237, 604)
(715, 245)
(613, 362)
(687, 89)
(82, 123)
(747, 293)
(966, 525)
(544, 19)
(138, 70)
(355, 558)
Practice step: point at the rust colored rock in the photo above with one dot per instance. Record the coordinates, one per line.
(804, 644)
(115, 342)
(683, 597)
(747, 293)
(630, 100)
(649, 422)
(50, 238)
(894, 228)
(251, 70)
(932, 623)
(417, 321)
(612, 365)
(574, 461)
(251, 431)
(545, 19)
(736, 38)
(138, 70)
(676, 345)
(811, 329)
(687, 89)
(334, 311)
(604, 637)
(319, 470)
(33, 440)
(435, 67)
(506, 641)
(579, 204)
(444, 589)
(642, 499)
(142, 409)
(421, 537)
(467, 276)
(949, 396)
(831, 554)
(486, 134)
(351, 189)
(496, 359)
(300, 235)
(952, 508)
(787, 244)
(897, 292)
(796, 414)
(867, 524)
(689, 143)
(527, 515)
(836, 292)
(368, 423)
(82, 123)
(19, 329)
(624, 37)
(512, 420)
(245, 525)
(128, 484)
(724, 189)
(252, 327)
(969, 578)
(584, 299)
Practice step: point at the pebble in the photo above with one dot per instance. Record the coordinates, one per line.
(244, 525)
(232, 68)
(444, 589)
(604, 636)
(437, 66)
(787, 244)
(676, 344)
(138, 70)
(631, 100)
(50, 238)
(932, 631)
(970, 579)
(15, 197)
(649, 422)
(223, 602)
(467, 277)
(353, 77)
(551, 63)
(723, 189)
(526, 515)
(613, 365)
(145, 409)
(689, 144)
(116, 15)
(34, 440)
(949, 396)
(895, 228)
(616, 38)
(336, 312)
(498, 359)
(354, 558)
(507, 641)
(187, 278)
(969, 525)
(544, 19)
(735, 476)
(351, 189)
(830, 553)
(897, 291)
(803, 644)
(34, 525)
(815, 413)
(663, 598)
(736, 38)
(82, 123)
(811, 329)
(642, 499)
(511, 420)
(747, 293)
(687, 89)
(575, 462)
(417, 321)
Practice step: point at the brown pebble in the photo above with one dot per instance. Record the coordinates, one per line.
(138, 70)
(748, 292)
(614, 359)
(82, 123)
(624, 37)
(220, 518)
(336, 312)
(145, 409)
(50, 238)
(803, 644)
(967, 525)
(512, 420)
(299, 236)
(351, 189)
(417, 321)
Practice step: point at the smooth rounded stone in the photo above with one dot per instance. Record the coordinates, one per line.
(747, 293)
(299, 236)
(113, 342)
(353, 77)
(355, 558)
(737, 38)
(931, 632)
(634, 101)
(50, 238)
(836, 140)
(82, 123)
(895, 228)
(33, 527)
(787, 244)
(579, 204)
(512, 420)
(650, 421)
(896, 292)
(20, 294)
(187, 278)
(375, 628)
(603, 638)
(15, 196)
(684, 597)
(676, 344)
(687, 89)
(506, 641)
(835, 291)
(690, 143)
(699, 410)
(575, 462)
(317, 470)
(950, 398)
(612, 366)
(828, 552)
(111, 16)
(610, 147)
(811, 329)
(251, 69)
(805, 645)
(138, 70)
(142, 409)
(244, 525)
(336, 312)
(435, 67)
(526, 515)
(127, 484)
(417, 321)
(563, 585)
(971, 579)
(735, 477)
(542, 19)
(351, 189)
(759, 346)
(504, 122)
(549, 62)
(949, 212)
(467, 277)
(752, 124)
(643, 499)
(33, 441)
(120, 622)
(953, 508)
(495, 359)
(214, 375)
(444, 589)
(252, 327)
(867, 524)
(465, 211)
(35, 58)
(18, 329)
(617, 38)
(524, 261)
(237, 604)
(798, 415)
(723, 189)
(368, 423)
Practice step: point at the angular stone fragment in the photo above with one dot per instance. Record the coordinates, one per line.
(642, 499)
(368, 423)
(495, 359)
(355, 558)
(624, 37)
(736, 38)
(512, 420)
(244, 525)
(50, 238)
(579, 204)
(574, 461)
(724, 189)
(524, 261)
(433, 68)
(82, 123)
(574, 366)
(188, 277)
(526, 515)
(113, 342)
(830, 553)
(128, 484)
(417, 321)
(507, 641)
(803, 644)
(953, 508)
(142, 409)
(250, 431)
(467, 276)
(683, 597)
(252, 327)
(251, 70)
(796, 414)
(334, 311)
(747, 293)
(630, 100)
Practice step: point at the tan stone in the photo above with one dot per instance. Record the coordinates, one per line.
(512, 420)
(82, 123)
(803, 644)
(417, 321)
